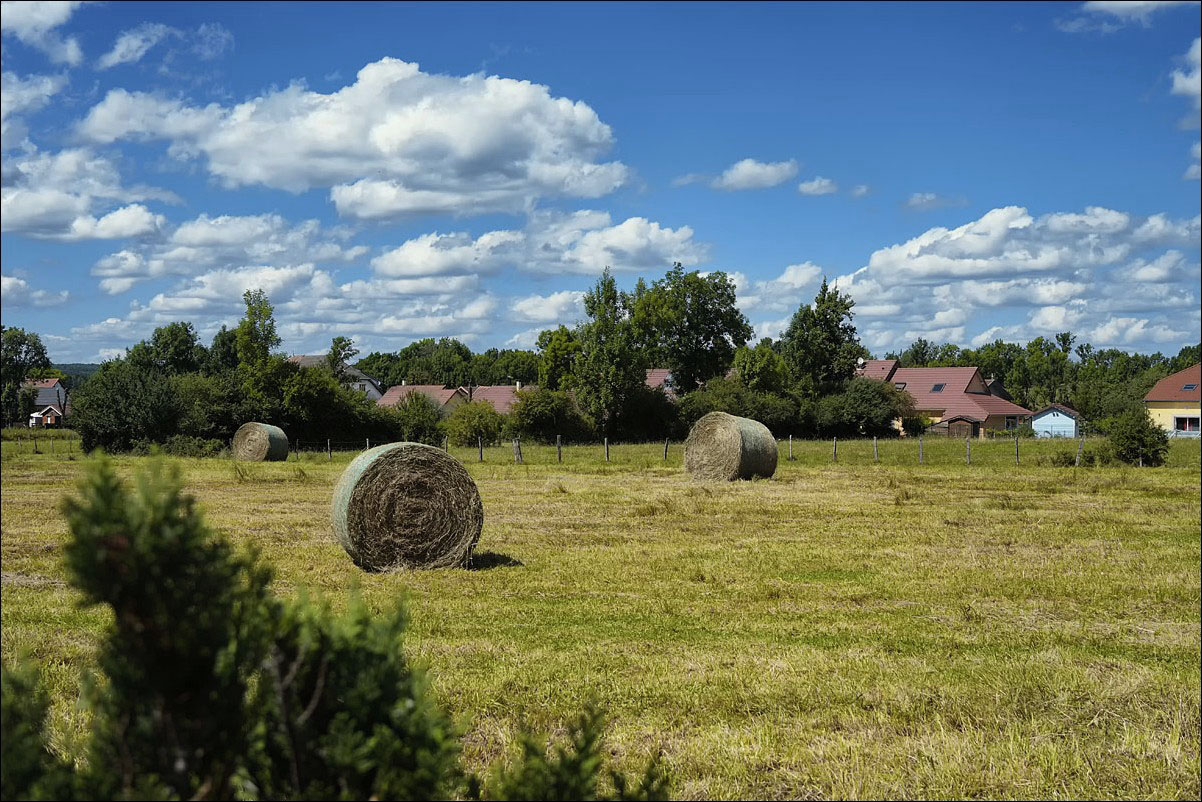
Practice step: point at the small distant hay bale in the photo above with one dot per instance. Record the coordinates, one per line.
(407, 505)
(725, 447)
(258, 442)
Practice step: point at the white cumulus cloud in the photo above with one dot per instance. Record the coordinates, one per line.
(397, 141)
(752, 174)
(133, 44)
(34, 24)
(818, 186)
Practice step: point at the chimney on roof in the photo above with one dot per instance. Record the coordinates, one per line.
(403, 382)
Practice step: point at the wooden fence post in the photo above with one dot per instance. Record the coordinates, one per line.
(446, 443)
(515, 451)
(967, 450)
(559, 448)
(367, 440)
(480, 446)
(876, 457)
(835, 451)
(607, 449)
(1016, 449)
(790, 448)
(665, 449)
(1080, 445)
(329, 451)
(920, 448)
(520, 460)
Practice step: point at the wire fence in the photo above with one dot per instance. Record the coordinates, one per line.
(919, 451)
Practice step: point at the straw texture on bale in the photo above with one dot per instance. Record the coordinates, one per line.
(407, 505)
(256, 442)
(725, 447)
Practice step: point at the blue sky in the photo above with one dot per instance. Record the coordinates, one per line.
(393, 171)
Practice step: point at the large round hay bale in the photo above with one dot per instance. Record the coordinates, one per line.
(256, 442)
(407, 505)
(726, 447)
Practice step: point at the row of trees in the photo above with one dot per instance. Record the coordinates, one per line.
(590, 378)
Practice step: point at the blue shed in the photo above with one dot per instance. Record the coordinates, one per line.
(1055, 420)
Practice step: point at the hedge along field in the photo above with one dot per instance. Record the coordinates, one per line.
(842, 630)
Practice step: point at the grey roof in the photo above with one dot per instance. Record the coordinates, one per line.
(319, 361)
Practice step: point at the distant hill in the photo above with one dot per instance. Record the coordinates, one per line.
(78, 371)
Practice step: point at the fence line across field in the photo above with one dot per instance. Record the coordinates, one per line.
(607, 451)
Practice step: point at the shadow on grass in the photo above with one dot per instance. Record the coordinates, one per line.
(488, 560)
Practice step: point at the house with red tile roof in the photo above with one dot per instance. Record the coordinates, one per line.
(445, 399)
(1175, 400)
(51, 404)
(957, 401)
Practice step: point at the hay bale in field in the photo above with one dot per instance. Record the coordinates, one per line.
(407, 505)
(726, 447)
(256, 442)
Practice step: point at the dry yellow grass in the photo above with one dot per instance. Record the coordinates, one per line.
(849, 630)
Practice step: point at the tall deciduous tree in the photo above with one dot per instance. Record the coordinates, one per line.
(342, 351)
(610, 367)
(820, 346)
(692, 322)
(256, 335)
(559, 349)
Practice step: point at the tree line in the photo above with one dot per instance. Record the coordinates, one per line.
(588, 380)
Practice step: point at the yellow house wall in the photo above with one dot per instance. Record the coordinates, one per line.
(1163, 412)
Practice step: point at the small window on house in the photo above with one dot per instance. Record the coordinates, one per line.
(1189, 388)
(938, 388)
(900, 385)
(1011, 422)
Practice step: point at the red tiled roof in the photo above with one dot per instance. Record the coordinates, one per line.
(501, 396)
(40, 384)
(1172, 388)
(657, 379)
(880, 369)
(954, 399)
(435, 392)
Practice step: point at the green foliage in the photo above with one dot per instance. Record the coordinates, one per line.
(123, 404)
(570, 772)
(417, 420)
(212, 688)
(189, 626)
(343, 714)
(866, 408)
(692, 323)
(342, 351)
(475, 419)
(610, 366)
(504, 367)
(223, 353)
(820, 345)
(21, 353)
(761, 369)
(28, 769)
(172, 349)
(1136, 439)
(779, 413)
(255, 336)
(559, 349)
(541, 414)
(209, 406)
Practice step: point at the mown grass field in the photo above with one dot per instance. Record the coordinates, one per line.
(843, 630)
